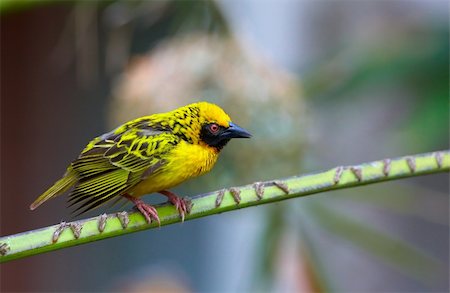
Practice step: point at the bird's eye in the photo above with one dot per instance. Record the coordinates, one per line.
(214, 128)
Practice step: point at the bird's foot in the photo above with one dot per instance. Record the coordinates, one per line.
(146, 210)
(180, 204)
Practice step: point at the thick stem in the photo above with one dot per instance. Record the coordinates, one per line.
(105, 226)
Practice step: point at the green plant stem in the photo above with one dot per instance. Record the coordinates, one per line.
(87, 230)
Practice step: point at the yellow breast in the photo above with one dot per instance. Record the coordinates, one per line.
(185, 161)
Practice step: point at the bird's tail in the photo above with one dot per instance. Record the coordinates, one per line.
(61, 186)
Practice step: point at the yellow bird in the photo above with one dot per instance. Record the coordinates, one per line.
(146, 155)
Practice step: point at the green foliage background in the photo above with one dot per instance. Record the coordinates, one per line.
(374, 85)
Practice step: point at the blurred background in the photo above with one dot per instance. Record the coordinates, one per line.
(318, 83)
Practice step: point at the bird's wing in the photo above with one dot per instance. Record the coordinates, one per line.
(116, 161)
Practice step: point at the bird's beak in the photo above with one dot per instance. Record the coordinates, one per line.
(235, 131)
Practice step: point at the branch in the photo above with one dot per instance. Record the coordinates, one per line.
(105, 226)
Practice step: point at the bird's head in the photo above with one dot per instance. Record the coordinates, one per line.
(216, 126)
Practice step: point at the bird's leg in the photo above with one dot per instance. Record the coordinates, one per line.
(148, 211)
(178, 202)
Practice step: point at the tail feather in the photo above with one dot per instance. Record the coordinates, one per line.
(61, 186)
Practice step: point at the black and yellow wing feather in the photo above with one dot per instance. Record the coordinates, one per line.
(113, 163)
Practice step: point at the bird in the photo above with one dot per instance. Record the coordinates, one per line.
(150, 154)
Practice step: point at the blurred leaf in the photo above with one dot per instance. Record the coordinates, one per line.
(423, 68)
(408, 201)
(322, 279)
(431, 117)
(16, 5)
(391, 250)
(198, 15)
(268, 245)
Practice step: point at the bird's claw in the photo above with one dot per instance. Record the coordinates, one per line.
(149, 212)
(146, 210)
(180, 204)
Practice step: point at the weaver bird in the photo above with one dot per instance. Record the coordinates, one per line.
(147, 155)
